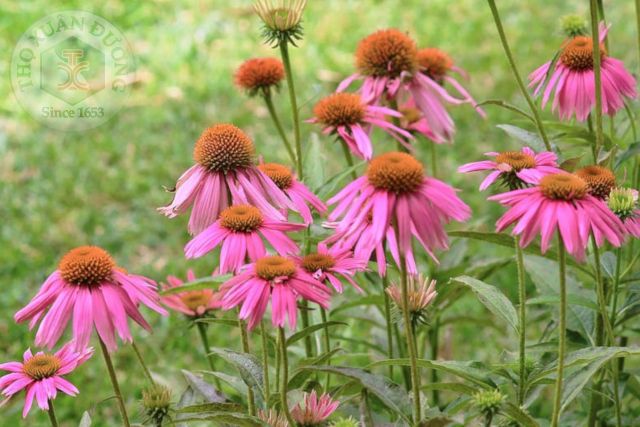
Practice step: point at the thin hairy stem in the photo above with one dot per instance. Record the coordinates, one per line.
(285, 377)
(349, 158)
(52, 414)
(265, 363)
(597, 74)
(284, 53)
(278, 124)
(147, 373)
(114, 383)
(561, 333)
(434, 338)
(327, 343)
(202, 329)
(388, 322)
(304, 315)
(245, 348)
(411, 346)
(522, 296)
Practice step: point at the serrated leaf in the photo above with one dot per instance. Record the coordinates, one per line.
(472, 371)
(492, 298)
(311, 329)
(196, 285)
(248, 365)
(203, 388)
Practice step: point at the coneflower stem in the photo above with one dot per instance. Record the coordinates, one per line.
(147, 373)
(411, 346)
(52, 414)
(433, 345)
(285, 377)
(304, 315)
(265, 364)
(615, 365)
(245, 348)
(278, 124)
(601, 293)
(389, 324)
(516, 73)
(434, 160)
(284, 52)
(202, 329)
(561, 332)
(522, 296)
(114, 383)
(349, 158)
(597, 71)
(327, 342)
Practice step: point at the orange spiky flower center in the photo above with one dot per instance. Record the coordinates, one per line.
(279, 174)
(340, 109)
(223, 148)
(317, 261)
(563, 186)
(517, 160)
(386, 53)
(241, 218)
(259, 73)
(396, 172)
(42, 366)
(577, 53)
(86, 265)
(434, 62)
(270, 267)
(600, 180)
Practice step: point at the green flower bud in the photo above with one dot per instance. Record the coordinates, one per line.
(156, 401)
(623, 202)
(488, 401)
(573, 25)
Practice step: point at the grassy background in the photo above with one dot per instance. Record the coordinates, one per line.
(63, 189)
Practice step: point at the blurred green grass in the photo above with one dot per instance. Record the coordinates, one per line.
(63, 189)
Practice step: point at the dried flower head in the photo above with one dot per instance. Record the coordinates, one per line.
(420, 292)
(156, 401)
(623, 202)
(573, 25)
(281, 20)
(259, 75)
(488, 401)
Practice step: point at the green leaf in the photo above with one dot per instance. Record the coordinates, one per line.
(248, 365)
(236, 383)
(210, 407)
(528, 139)
(472, 371)
(571, 299)
(329, 187)
(632, 151)
(456, 387)
(311, 329)
(85, 421)
(196, 285)
(223, 418)
(300, 375)
(493, 299)
(506, 105)
(200, 386)
(517, 414)
(366, 300)
(571, 164)
(390, 394)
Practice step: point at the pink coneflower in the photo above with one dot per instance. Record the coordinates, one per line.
(314, 410)
(396, 191)
(89, 285)
(599, 179)
(560, 201)
(389, 64)
(276, 278)
(41, 375)
(297, 192)
(190, 303)
(623, 202)
(515, 168)
(328, 264)
(572, 79)
(348, 116)
(239, 233)
(224, 171)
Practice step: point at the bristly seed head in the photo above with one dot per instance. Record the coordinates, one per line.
(270, 267)
(563, 186)
(577, 53)
(241, 218)
(156, 400)
(488, 401)
(279, 174)
(224, 148)
(41, 366)
(86, 266)
(517, 160)
(386, 53)
(434, 62)
(600, 180)
(317, 261)
(396, 172)
(340, 109)
(258, 74)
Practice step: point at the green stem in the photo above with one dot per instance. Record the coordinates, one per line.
(415, 374)
(147, 373)
(245, 348)
(278, 124)
(389, 323)
(114, 383)
(601, 294)
(284, 52)
(522, 296)
(285, 377)
(615, 366)
(265, 363)
(488, 418)
(304, 315)
(327, 343)
(349, 158)
(597, 71)
(516, 73)
(561, 333)
(52, 414)
(202, 329)
(434, 160)
(434, 338)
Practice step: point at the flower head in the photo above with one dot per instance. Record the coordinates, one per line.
(41, 375)
(517, 169)
(190, 303)
(239, 232)
(420, 291)
(274, 278)
(559, 202)
(90, 287)
(623, 202)
(395, 193)
(572, 79)
(488, 401)
(386, 53)
(224, 174)
(156, 401)
(281, 20)
(259, 75)
(435, 63)
(350, 118)
(298, 193)
(600, 180)
(314, 410)
(331, 264)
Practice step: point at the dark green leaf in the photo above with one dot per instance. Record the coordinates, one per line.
(311, 329)
(300, 375)
(197, 285)
(248, 365)
(517, 414)
(223, 418)
(471, 371)
(527, 138)
(200, 386)
(209, 407)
